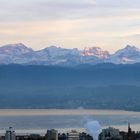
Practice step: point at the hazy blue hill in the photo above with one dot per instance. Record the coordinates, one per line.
(53, 76)
(99, 86)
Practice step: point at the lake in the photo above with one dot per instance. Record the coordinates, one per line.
(39, 120)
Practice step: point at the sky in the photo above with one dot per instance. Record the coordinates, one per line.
(109, 24)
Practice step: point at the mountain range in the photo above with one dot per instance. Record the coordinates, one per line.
(21, 54)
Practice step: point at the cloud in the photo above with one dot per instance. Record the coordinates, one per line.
(73, 23)
(45, 10)
(119, 3)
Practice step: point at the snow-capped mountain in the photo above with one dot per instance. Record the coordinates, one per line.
(56, 55)
(15, 49)
(53, 51)
(20, 54)
(13, 53)
(127, 55)
(96, 51)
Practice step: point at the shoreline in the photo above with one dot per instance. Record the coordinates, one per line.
(48, 112)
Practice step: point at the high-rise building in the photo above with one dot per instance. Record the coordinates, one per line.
(10, 134)
(51, 135)
(110, 133)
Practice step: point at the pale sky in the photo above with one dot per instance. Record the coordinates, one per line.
(109, 24)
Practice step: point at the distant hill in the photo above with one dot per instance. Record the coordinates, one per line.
(107, 85)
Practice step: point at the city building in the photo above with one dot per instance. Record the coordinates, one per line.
(62, 136)
(110, 134)
(130, 135)
(51, 135)
(85, 136)
(10, 134)
(34, 136)
(73, 135)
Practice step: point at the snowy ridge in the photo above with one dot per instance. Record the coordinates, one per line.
(95, 51)
(20, 54)
(127, 55)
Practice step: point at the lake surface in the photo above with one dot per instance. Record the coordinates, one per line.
(39, 120)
